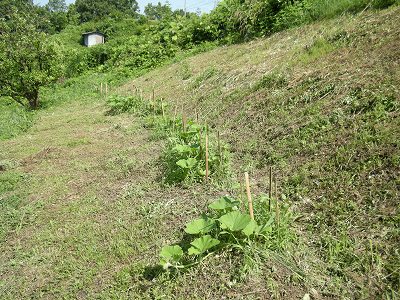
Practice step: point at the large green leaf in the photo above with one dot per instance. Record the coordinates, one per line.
(250, 228)
(187, 163)
(202, 225)
(234, 221)
(191, 162)
(224, 203)
(182, 148)
(170, 254)
(202, 244)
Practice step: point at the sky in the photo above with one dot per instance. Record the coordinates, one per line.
(192, 5)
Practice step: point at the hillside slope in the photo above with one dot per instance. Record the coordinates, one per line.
(84, 212)
(321, 104)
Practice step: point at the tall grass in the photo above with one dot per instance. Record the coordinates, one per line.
(14, 118)
(307, 11)
(325, 9)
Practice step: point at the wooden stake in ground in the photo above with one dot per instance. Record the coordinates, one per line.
(162, 108)
(106, 89)
(277, 208)
(101, 89)
(270, 187)
(153, 99)
(184, 122)
(219, 148)
(207, 157)
(173, 124)
(200, 142)
(246, 176)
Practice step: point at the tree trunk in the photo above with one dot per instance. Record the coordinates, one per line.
(33, 98)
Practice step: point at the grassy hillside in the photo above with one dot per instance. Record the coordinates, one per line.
(84, 211)
(321, 104)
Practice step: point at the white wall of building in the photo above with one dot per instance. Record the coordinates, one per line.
(93, 39)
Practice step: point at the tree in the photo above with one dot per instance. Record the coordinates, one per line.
(56, 6)
(98, 9)
(158, 12)
(72, 15)
(28, 60)
(8, 6)
(57, 11)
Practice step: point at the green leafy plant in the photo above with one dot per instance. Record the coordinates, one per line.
(202, 244)
(224, 203)
(170, 256)
(234, 221)
(225, 227)
(120, 104)
(185, 155)
(202, 226)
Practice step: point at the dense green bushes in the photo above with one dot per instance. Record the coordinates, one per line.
(246, 19)
(144, 42)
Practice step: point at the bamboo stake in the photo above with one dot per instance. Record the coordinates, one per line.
(270, 187)
(277, 208)
(162, 108)
(153, 104)
(206, 157)
(200, 142)
(173, 125)
(219, 147)
(183, 122)
(246, 176)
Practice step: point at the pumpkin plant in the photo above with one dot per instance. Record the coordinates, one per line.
(185, 155)
(224, 227)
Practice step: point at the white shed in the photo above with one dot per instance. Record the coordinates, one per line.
(93, 38)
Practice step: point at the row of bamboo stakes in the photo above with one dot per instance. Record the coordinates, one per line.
(104, 89)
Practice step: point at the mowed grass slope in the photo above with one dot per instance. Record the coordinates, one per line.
(320, 103)
(84, 213)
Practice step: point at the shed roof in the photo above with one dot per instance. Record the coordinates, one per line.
(93, 32)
